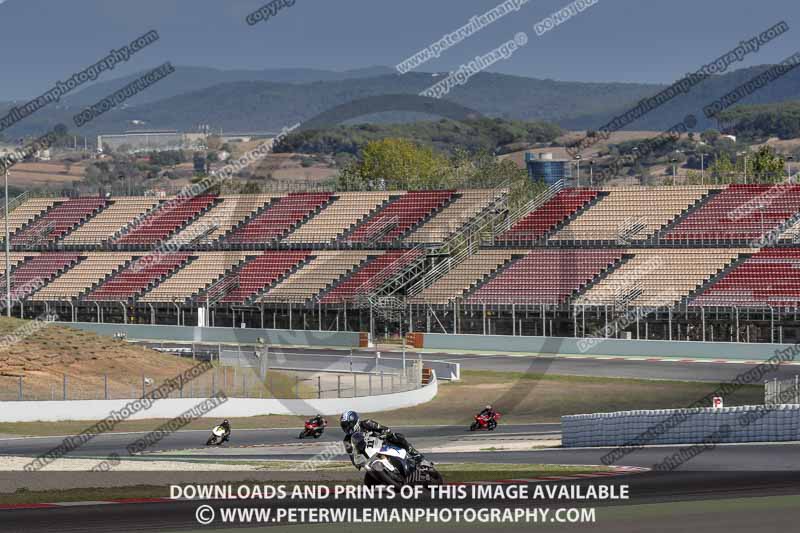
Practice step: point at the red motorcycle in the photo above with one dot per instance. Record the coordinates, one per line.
(313, 429)
(488, 422)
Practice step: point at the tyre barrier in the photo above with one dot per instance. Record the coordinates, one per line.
(752, 423)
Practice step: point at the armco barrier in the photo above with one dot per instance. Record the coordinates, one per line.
(273, 337)
(609, 347)
(751, 423)
(92, 410)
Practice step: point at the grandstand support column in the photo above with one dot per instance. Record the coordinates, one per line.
(703, 316)
(178, 313)
(669, 322)
(319, 309)
(574, 321)
(513, 320)
(262, 316)
(97, 305)
(428, 318)
(455, 317)
(736, 309)
(124, 312)
(605, 314)
(152, 314)
(410, 318)
(8, 252)
(484, 320)
(544, 323)
(637, 323)
(583, 321)
(290, 315)
(344, 309)
(771, 325)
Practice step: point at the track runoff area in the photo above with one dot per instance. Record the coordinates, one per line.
(515, 477)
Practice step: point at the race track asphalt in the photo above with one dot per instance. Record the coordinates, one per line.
(612, 368)
(750, 472)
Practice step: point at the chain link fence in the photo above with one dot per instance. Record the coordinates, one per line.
(239, 374)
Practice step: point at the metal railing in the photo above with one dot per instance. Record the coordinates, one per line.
(488, 220)
(377, 231)
(464, 244)
(236, 381)
(393, 278)
(785, 391)
(629, 228)
(220, 289)
(14, 203)
(535, 203)
(327, 376)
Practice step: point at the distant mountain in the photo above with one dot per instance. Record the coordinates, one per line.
(265, 105)
(783, 89)
(187, 79)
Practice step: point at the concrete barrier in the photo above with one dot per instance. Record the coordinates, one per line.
(593, 346)
(273, 337)
(752, 423)
(93, 410)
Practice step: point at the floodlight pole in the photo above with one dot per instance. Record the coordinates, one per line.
(8, 252)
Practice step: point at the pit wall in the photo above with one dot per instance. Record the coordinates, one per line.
(272, 337)
(753, 423)
(93, 410)
(594, 346)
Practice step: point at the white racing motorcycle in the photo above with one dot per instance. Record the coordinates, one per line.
(218, 436)
(385, 464)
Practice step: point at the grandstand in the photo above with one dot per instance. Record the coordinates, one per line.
(698, 261)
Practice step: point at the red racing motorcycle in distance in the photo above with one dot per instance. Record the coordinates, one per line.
(485, 422)
(313, 429)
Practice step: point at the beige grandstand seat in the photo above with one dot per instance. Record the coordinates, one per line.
(464, 275)
(29, 210)
(15, 259)
(83, 276)
(346, 211)
(631, 213)
(791, 234)
(111, 220)
(657, 277)
(194, 277)
(455, 216)
(222, 217)
(317, 275)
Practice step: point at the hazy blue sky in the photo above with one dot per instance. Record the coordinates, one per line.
(614, 40)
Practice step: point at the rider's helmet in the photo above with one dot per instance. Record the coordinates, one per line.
(488, 407)
(225, 422)
(349, 421)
